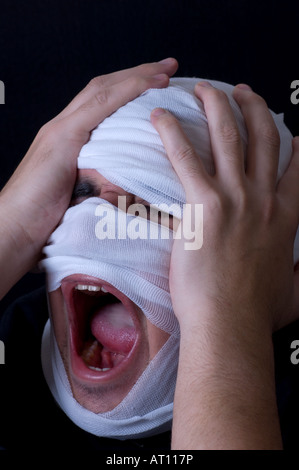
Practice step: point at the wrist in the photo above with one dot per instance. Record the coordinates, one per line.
(222, 347)
(227, 339)
(229, 374)
(247, 317)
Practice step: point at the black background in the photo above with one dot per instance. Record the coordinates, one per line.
(50, 49)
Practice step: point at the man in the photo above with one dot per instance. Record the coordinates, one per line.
(187, 270)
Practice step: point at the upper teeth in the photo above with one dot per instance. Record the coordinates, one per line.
(90, 288)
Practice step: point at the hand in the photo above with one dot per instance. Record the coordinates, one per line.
(233, 292)
(37, 195)
(249, 222)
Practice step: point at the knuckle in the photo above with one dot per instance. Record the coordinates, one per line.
(270, 135)
(168, 123)
(136, 83)
(233, 206)
(219, 94)
(140, 83)
(49, 130)
(186, 160)
(149, 68)
(102, 97)
(242, 199)
(229, 133)
(44, 129)
(97, 82)
(218, 205)
(47, 138)
(216, 95)
(184, 154)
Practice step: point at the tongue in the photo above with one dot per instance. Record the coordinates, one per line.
(113, 327)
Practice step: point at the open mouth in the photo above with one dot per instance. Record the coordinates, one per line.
(104, 328)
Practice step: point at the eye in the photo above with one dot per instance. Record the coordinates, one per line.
(144, 203)
(82, 190)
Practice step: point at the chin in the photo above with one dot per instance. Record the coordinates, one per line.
(104, 339)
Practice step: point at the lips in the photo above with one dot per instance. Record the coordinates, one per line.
(105, 329)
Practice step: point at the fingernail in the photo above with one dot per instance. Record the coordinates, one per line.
(243, 86)
(158, 112)
(206, 84)
(169, 60)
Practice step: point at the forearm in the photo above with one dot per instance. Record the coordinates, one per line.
(37, 195)
(17, 252)
(225, 393)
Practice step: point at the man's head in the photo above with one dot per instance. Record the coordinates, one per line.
(105, 340)
(109, 298)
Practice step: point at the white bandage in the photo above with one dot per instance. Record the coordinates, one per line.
(127, 150)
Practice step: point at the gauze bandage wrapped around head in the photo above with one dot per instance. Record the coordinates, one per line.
(128, 152)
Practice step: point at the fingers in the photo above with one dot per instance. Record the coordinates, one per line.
(225, 138)
(227, 149)
(109, 99)
(263, 138)
(185, 162)
(146, 73)
(225, 141)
